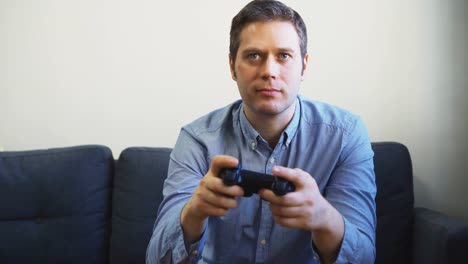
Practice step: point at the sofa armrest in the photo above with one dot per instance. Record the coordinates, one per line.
(438, 238)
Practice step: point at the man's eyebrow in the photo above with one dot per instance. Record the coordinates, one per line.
(251, 49)
(258, 50)
(286, 50)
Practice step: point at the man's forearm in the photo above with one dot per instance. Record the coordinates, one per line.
(191, 227)
(328, 240)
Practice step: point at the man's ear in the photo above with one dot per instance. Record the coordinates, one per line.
(304, 65)
(231, 67)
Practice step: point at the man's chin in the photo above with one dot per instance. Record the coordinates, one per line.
(272, 109)
(269, 110)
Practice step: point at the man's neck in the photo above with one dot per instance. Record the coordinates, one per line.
(270, 127)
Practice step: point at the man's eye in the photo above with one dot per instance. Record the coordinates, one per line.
(253, 56)
(284, 56)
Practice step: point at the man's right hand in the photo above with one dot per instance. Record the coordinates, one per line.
(211, 198)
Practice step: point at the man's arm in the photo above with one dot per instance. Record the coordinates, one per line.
(186, 168)
(351, 190)
(342, 221)
(210, 198)
(189, 199)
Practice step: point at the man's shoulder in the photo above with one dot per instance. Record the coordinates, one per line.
(215, 119)
(316, 112)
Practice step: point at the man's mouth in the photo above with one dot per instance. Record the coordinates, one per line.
(268, 91)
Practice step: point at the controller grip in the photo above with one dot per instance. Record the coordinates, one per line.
(230, 176)
(281, 187)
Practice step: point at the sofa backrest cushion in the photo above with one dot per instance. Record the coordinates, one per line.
(395, 202)
(139, 178)
(55, 205)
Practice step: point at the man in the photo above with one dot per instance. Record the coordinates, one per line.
(322, 150)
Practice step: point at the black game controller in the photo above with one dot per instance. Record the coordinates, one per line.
(252, 181)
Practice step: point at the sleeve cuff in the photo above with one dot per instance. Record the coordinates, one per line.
(195, 250)
(357, 247)
(348, 249)
(180, 252)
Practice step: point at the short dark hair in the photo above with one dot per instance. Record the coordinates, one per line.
(266, 10)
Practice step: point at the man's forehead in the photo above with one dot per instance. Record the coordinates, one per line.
(253, 26)
(281, 34)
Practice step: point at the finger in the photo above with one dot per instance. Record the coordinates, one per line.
(288, 222)
(210, 210)
(296, 176)
(222, 201)
(289, 199)
(216, 185)
(287, 211)
(222, 161)
(269, 196)
(233, 191)
(210, 203)
(201, 207)
(213, 190)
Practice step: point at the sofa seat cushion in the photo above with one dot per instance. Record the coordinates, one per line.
(55, 205)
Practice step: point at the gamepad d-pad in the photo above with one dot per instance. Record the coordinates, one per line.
(252, 181)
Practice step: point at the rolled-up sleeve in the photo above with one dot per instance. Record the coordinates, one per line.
(167, 242)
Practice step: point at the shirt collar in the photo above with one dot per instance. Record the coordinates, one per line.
(291, 129)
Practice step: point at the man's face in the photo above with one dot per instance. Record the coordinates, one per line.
(268, 68)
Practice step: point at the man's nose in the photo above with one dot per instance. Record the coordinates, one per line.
(270, 68)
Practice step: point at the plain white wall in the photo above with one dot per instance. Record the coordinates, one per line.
(131, 73)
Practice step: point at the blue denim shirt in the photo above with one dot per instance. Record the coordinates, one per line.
(329, 143)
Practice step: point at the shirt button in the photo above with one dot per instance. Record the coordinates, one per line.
(263, 242)
(272, 160)
(194, 253)
(253, 145)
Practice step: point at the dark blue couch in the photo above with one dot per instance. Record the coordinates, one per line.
(79, 205)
